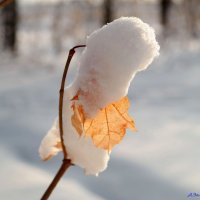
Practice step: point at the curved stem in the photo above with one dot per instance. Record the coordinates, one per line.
(71, 53)
(66, 162)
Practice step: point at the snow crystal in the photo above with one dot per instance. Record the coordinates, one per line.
(114, 54)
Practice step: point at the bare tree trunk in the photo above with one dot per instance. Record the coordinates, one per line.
(192, 10)
(9, 22)
(165, 6)
(56, 27)
(107, 11)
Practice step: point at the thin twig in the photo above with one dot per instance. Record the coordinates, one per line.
(71, 53)
(65, 165)
(4, 3)
(66, 162)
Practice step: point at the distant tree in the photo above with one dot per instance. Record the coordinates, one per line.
(192, 12)
(56, 26)
(9, 17)
(107, 11)
(165, 6)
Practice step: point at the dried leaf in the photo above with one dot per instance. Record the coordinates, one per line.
(78, 118)
(108, 127)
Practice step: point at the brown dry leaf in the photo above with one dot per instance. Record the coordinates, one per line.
(78, 118)
(108, 127)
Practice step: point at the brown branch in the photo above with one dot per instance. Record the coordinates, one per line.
(66, 162)
(65, 165)
(71, 53)
(4, 3)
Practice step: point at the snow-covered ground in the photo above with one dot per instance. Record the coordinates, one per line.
(159, 162)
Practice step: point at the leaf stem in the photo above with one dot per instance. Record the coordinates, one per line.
(66, 162)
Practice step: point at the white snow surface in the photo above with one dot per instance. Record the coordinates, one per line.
(25, 180)
(112, 57)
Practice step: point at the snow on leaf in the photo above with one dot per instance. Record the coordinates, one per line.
(109, 125)
(56, 148)
(51, 143)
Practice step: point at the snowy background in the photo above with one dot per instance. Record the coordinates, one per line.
(159, 162)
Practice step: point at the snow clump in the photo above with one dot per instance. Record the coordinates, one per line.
(112, 57)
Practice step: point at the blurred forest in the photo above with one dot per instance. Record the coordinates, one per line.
(66, 20)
